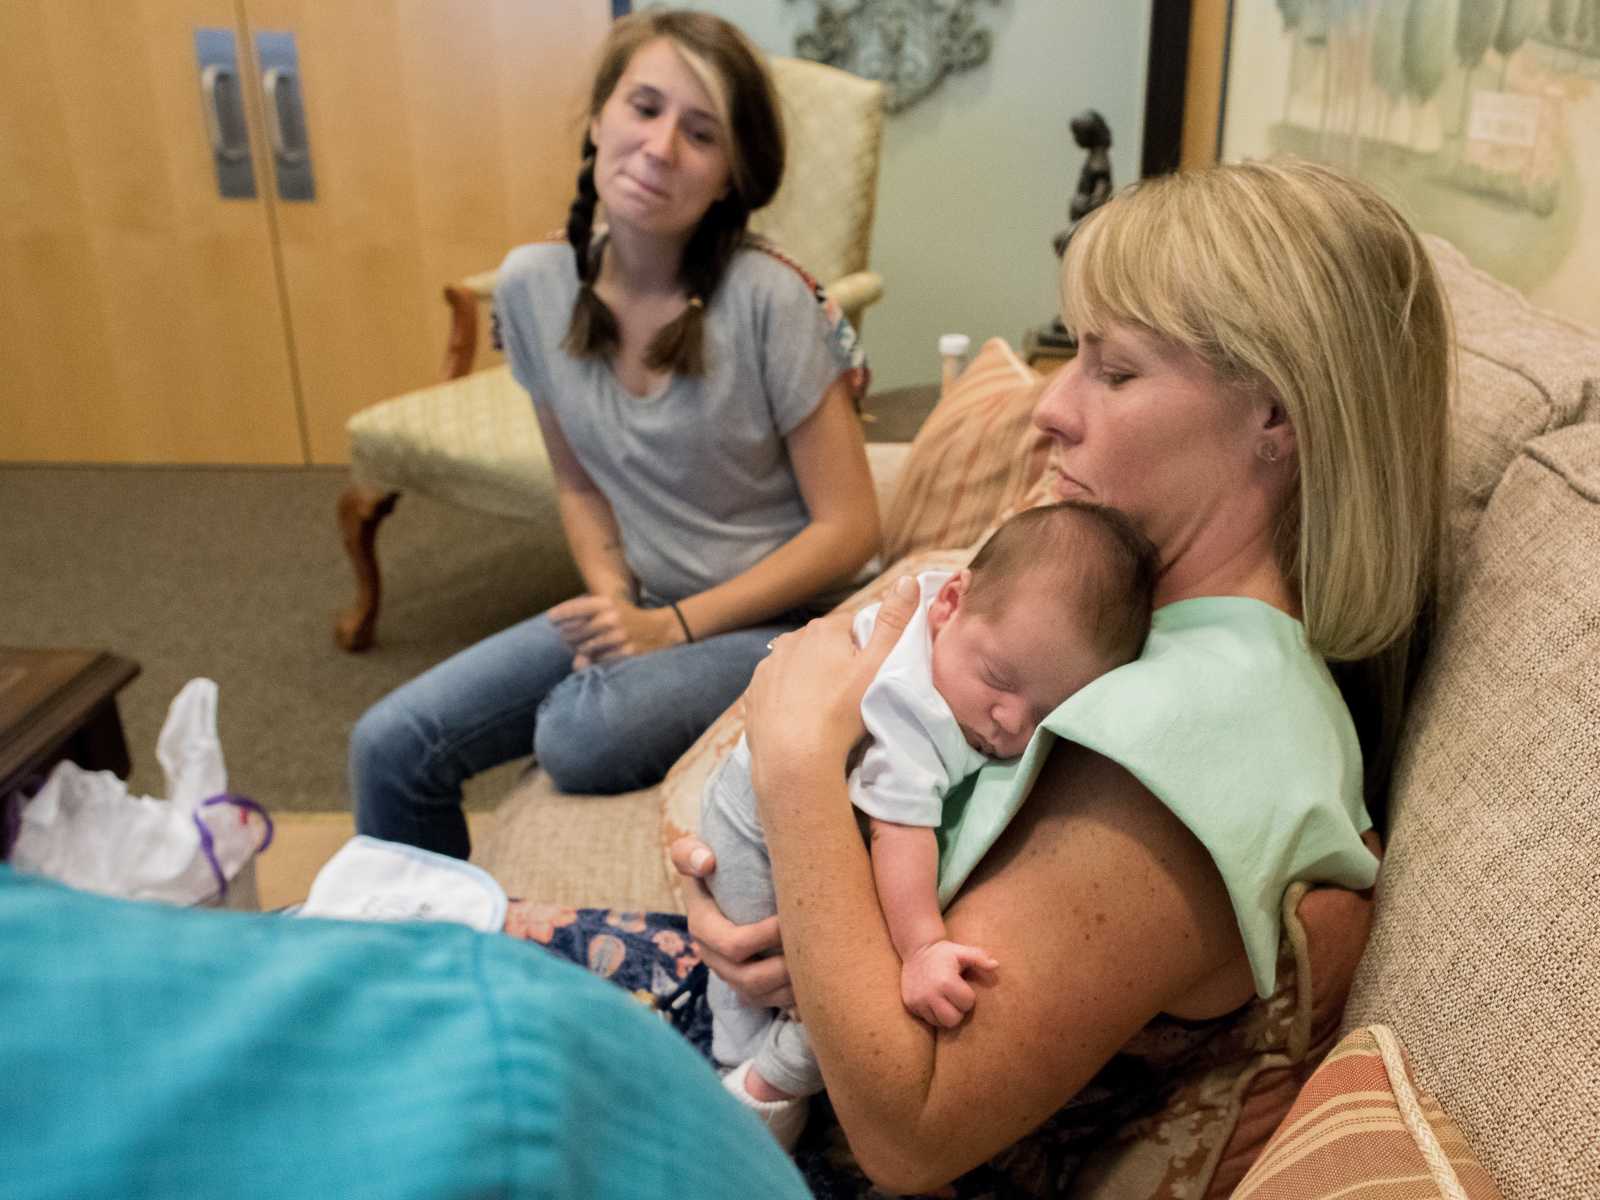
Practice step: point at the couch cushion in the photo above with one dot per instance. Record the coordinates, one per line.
(976, 453)
(1485, 956)
(584, 851)
(1361, 1127)
(1523, 372)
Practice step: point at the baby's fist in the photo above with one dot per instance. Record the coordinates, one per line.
(933, 985)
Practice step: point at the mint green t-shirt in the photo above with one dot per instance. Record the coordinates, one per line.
(1235, 724)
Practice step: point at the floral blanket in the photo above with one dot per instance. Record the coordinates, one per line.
(655, 959)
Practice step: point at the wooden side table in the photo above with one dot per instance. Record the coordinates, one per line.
(59, 704)
(897, 414)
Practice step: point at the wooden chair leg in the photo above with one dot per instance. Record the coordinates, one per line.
(360, 511)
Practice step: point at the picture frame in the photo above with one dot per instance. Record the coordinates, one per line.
(1167, 87)
(1479, 121)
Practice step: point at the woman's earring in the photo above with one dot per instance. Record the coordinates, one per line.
(1267, 451)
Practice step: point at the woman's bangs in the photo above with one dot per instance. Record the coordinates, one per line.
(1116, 278)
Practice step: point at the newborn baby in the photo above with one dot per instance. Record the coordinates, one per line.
(1058, 596)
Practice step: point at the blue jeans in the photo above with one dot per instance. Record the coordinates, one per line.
(611, 728)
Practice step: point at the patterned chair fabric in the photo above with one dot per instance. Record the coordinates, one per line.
(475, 442)
(822, 215)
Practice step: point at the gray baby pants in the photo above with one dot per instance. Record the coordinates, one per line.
(742, 885)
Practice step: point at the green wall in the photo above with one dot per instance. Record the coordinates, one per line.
(976, 177)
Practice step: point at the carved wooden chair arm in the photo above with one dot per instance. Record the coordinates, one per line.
(464, 297)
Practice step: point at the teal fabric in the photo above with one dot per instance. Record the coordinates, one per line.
(1232, 721)
(160, 1052)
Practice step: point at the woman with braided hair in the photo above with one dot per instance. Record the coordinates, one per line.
(697, 393)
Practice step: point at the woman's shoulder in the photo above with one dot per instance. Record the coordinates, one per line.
(537, 263)
(1230, 664)
(779, 298)
(1231, 636)
(1234, 723)
(763, 269)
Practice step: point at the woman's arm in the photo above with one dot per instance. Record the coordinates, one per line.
(604, 623)
(1104, 909)
(586, 517)
(829, 457)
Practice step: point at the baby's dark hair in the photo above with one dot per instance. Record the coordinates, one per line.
(1086, 546)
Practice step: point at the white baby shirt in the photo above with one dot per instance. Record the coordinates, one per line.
(917, 752)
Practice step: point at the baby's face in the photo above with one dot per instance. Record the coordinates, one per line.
(1002, 671)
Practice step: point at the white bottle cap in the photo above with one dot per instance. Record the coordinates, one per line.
(955, 344)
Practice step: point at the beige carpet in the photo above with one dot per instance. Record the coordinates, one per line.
(235, 574)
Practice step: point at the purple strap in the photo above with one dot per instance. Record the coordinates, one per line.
(208, 845)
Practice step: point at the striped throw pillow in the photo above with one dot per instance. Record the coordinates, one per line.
(975, 456)
(1361, 1129)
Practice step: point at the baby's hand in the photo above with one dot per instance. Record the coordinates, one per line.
(932, 985)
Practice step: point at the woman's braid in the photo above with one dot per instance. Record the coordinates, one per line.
(592, 330)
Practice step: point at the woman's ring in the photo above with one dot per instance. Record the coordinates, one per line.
(769, 645)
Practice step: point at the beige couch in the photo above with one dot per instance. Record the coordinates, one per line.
(1485, 954)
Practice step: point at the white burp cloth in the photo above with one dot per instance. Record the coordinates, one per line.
(373, 880)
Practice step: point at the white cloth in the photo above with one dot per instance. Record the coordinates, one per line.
(87, 830)
(917, 752)
(373, 880)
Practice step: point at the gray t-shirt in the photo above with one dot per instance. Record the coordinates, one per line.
(698, 474)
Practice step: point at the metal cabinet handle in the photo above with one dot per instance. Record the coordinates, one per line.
(283, 100)
(214, 84)
(222, 110)
(285, 122)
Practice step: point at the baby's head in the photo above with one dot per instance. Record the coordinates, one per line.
(1057, 597)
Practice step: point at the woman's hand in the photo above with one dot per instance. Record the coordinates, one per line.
(605, 628)
(728, 949)
(803, 705)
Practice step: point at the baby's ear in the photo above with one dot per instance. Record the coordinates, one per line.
(948, 599)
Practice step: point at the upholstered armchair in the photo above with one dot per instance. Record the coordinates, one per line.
(473, 440)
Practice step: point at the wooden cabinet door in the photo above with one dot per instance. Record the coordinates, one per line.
(440, 135)
(139, 311)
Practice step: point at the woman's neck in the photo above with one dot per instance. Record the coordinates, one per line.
(641, 264)
(1225, 559)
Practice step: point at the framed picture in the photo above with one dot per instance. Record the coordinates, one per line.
(1167, 86)
(1480, 119)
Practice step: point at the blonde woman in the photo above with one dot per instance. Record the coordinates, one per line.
(1262, 387)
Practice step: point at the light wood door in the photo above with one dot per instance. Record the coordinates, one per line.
(441, 134)
(139, 312)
